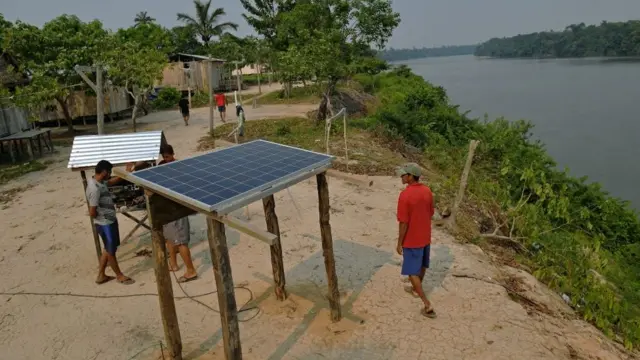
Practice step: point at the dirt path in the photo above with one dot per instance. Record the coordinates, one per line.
(46, 247)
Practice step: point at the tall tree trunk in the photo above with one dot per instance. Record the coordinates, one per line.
(323, 109)
(134, 114)
(259, 74)
(67, 114)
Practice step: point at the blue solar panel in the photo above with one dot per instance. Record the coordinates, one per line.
(219, 178)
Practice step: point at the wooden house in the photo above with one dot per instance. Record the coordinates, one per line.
(191, 72)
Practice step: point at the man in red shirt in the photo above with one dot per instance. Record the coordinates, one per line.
(415, 209)
(221, 102)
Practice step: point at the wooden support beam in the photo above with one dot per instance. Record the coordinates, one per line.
(224, 284)
(277, 264)
(327, 247)
(96, 240)
(163, 279)
(248, 228)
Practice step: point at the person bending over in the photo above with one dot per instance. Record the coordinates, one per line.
(177, 233)
(415, 209)
(103, 213)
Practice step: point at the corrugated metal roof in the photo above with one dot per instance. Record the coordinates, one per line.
(119, 149)
(206, 58)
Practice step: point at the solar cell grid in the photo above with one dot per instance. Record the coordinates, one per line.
(227, 174)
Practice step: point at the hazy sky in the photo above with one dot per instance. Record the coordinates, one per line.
(424, 22)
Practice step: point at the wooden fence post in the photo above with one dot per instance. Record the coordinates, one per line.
(327, 247)
(463, 183)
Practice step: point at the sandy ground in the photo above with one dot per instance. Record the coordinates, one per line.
(46, 247)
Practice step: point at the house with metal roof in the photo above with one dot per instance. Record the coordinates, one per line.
(191, 72)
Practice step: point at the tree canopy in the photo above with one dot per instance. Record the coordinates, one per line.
(578, 40)
(51, 53)
(143, 18)
(207, 22)
(320, 39)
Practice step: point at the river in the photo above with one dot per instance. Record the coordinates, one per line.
(584, 110)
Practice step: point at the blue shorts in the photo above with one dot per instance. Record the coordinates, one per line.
(415, 259)
(110, 237)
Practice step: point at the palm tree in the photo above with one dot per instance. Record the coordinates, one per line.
(204, 24)
(143, 18)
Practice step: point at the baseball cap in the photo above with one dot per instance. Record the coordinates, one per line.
(409, 168)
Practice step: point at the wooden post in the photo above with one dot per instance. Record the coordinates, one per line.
(224, 284)
(50, 141)
(463, 183)
(327, 247)
(163, 281)
(211, 124)
(29, 148)
(277, 264)
(96, 240)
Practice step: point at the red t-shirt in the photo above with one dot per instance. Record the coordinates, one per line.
(220, 99)
(415, 208)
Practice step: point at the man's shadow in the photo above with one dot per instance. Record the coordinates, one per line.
(356, 265)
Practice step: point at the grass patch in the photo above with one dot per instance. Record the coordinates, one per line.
(7, 196)
(8, 173)
(368, 153)
(299, 95)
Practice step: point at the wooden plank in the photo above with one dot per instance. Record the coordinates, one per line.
(96, 241)
(247, 228)
(327, 247)
(277, 263)
(224, 284)
(136, 220)
(163, 282)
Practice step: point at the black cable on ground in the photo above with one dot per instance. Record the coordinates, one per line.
(187, 296)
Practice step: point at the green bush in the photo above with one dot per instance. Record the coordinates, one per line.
(199, 99)
(167, 98)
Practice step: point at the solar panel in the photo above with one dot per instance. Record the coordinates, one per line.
(225, 180)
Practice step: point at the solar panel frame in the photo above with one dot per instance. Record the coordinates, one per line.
(243, 198)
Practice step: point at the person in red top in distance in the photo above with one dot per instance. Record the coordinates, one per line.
(415, 209)
(221, 102)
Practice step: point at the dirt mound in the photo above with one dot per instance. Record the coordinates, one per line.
(356, 102)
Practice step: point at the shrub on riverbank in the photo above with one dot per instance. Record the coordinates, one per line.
(573, 235)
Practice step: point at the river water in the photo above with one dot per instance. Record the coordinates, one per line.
(584, 110)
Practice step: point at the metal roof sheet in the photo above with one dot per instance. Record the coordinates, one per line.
(201, 57)
(118, 149)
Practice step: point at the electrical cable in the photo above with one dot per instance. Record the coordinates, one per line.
(186, 296)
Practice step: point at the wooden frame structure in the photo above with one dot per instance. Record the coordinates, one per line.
(163, 208)
(34, 140)
(87, 151)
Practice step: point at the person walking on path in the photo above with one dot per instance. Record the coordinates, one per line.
(103, 213)
(415, 209)
(184, 110)
(221, 102)
(178, 233)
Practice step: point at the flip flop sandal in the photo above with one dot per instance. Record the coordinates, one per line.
(129, 281)
(431, 314)
(183, 279)
(106, 279)
(409, 289)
